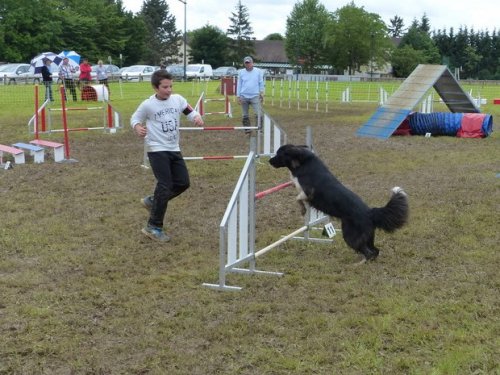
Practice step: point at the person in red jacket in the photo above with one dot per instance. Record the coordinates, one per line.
(85, 70)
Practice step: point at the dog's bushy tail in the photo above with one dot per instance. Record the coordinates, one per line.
(394, 214)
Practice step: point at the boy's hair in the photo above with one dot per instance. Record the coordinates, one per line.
(158, 76)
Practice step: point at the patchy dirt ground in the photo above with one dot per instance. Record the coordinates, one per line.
(83, 292)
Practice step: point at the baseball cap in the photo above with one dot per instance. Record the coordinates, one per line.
(247, 59)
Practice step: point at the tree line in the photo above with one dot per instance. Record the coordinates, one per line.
(348, 39)
(351, 38)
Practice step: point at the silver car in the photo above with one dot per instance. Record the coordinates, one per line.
(177, 71)
(137, 73)
(225, 71)
(15, 73)
(111, 70)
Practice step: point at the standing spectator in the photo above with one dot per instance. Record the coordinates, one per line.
(101, 74)
(85, 73)
(66, 72)
(47, 78)
(158, 120)
(250, 91)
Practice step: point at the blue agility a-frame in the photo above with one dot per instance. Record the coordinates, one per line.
(389, 116)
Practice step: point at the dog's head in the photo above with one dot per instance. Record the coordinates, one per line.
(290, 156)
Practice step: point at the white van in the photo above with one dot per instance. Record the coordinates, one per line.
(199, 71)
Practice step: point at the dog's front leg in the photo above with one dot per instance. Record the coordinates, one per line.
(302, 199)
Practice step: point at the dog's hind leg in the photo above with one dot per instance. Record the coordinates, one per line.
(371, 245)
(360, 240)
(368, 255)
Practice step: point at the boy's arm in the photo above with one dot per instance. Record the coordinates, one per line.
(140, 130)
(193, 116)
(137, 121)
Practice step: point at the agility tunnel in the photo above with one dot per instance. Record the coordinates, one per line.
(392, 114)
(462, 125)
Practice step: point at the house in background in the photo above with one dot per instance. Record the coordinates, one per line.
(270, 55)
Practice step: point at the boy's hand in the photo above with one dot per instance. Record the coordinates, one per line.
(198, 120)
(140, 130)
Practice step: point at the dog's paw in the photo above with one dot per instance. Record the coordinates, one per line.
(398, 190)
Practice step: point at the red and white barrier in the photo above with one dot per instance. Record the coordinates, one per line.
(38, 124)
(269, 138)
(41, 121)
(218, 128)
(200, 105)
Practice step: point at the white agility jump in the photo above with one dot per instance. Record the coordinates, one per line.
(202, 100)
(237, 230)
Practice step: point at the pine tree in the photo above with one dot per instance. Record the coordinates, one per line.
(164, 39)
(396, 29)
(240, 33)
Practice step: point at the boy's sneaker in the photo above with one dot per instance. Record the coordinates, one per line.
(147, 202)
(155, 233)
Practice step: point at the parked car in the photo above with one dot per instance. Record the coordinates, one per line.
(14, 73)
(137, 72)
(225, 71)
(177, 71)
(112, 70)
(200, 71)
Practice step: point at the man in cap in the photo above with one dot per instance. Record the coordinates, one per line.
(250, 91)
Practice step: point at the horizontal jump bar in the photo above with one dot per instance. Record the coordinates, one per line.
(215, 157)
(75, 109)
(280, 241)
(272, 190)
(220, 128)
(79, 129)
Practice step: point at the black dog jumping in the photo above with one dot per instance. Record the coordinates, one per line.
(319, 188)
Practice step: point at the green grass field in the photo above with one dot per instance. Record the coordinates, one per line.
(84, 292)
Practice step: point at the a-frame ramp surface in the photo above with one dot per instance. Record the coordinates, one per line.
(389, 116)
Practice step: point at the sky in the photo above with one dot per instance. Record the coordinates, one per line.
(269, 16)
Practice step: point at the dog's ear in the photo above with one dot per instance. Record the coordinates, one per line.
(301, 153)
(296, 155)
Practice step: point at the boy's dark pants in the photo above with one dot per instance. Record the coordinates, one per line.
(172, 179)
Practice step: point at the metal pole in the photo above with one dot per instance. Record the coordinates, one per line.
(185, 35)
